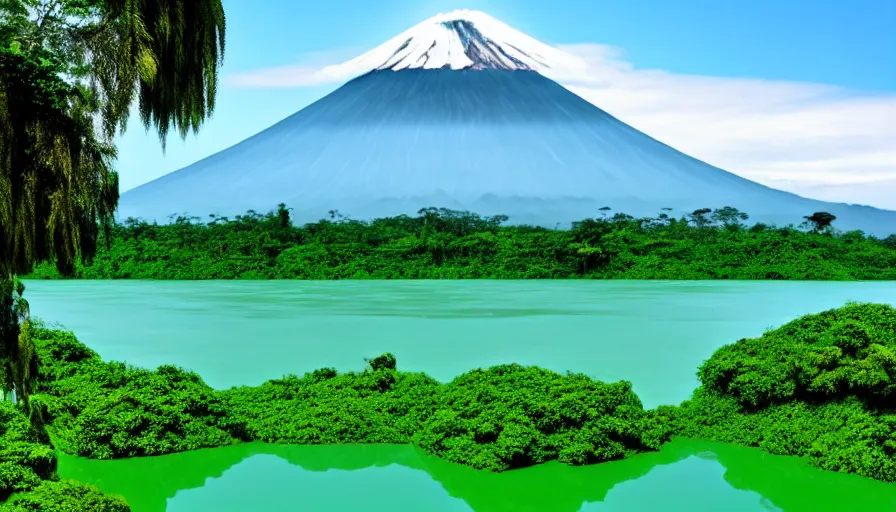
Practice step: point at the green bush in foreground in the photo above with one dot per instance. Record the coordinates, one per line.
(820, 387)
(65, 496)
(379, 405)
(512, 416)
(24, 461)
(107, 410)
(110, 410)
(28, 473)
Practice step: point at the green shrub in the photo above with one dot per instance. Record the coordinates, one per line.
(24, 462)
(820, 387)
(843, 352)
(379, 405)
(110, 410)
(512, 416)
(65, 496)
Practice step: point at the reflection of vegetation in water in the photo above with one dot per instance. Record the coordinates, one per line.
(786, 482)
(817, 387)
(445, 244)
(791, 484)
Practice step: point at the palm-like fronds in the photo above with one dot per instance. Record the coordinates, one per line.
(166, 51)
(63, 66)
(57, 185)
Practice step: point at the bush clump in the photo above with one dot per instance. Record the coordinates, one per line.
(28, 473)
(502, 418)
(65, 496)
(843, 352)
(821, 387)
(109, 410)
(378, 405)
(24, 461)
(512, 416)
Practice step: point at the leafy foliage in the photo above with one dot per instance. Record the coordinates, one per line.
(18, 362)
(512, 416)
(104, 410)
(109, 410)
(820, 387)
(57, 186)
(378, 405)
(65, 496)
(445, 244)
(24, 461)
(28, 472)
(844, 352)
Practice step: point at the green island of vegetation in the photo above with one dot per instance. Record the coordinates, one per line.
(820, 387)
(445, 244)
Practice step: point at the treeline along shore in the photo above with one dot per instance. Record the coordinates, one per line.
(446, 244)
(820, 387)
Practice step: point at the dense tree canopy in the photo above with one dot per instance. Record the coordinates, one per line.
(444, 244)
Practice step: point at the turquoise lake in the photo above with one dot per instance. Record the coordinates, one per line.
(654, 334)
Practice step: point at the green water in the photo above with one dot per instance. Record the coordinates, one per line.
(686, 476)
(653, 333)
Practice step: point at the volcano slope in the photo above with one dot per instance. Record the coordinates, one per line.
(486, 138)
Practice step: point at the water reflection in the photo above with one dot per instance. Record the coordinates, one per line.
(687, 476)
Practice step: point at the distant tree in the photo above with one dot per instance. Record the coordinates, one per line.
(662, 219)
(495, 221)
(604, 210)
(729, 216)
(819, 221)
(621, 217)
(283, 215)
(699, 217)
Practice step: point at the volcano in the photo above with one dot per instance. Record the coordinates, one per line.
(458, 112)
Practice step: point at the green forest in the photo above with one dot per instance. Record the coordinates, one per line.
(446, 244)
(819, 387)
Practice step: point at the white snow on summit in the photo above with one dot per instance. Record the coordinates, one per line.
(461, 39)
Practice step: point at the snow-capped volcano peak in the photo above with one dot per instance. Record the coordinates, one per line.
(461, 39)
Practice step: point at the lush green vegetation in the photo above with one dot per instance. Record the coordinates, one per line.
(501, 418)
(28, 469)
(443, 244)
(820, 387)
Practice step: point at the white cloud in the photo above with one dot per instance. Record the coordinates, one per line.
(814, 139)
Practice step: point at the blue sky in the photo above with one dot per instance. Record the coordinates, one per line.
(847, 44)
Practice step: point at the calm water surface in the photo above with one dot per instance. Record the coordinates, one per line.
(653, 333)
(685, 476)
